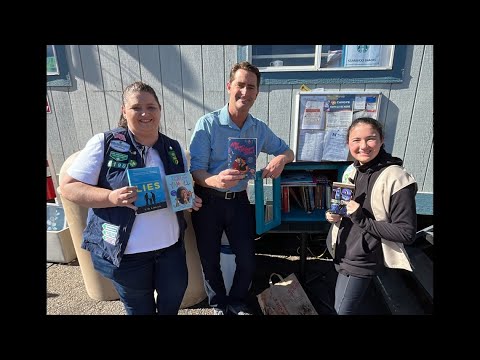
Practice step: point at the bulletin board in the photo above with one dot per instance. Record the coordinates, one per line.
(322, 119)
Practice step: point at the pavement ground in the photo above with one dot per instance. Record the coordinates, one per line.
(66, 294)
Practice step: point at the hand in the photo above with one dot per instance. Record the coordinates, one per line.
(274, 167)
(352, 206)
(332, 218)
(197, 204)
(124, 196)
(228, 178)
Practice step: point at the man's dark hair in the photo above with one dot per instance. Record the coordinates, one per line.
(245, 65)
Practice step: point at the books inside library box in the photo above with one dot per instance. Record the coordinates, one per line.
(150, 192)
(342, 193)
(305, 195)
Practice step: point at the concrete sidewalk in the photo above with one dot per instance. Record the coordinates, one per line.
(66, 293)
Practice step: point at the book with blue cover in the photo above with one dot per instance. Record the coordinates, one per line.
(242, 155)
(150, 192)
(342, 193)
(180, 190)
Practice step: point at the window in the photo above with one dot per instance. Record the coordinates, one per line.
(287, 64)
(52, 64)
(321, 57)
(57, 67)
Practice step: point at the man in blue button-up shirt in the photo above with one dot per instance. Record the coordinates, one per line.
(225, 202)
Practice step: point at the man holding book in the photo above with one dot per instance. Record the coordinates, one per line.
(223, 189)
(135, 238)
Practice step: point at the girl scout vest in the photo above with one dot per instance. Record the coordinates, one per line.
(108, 229)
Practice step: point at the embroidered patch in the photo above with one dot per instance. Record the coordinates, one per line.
(110, 233)
(118, 156)
(172, 155)
(119, 136)
(116, 164)
(119, 145)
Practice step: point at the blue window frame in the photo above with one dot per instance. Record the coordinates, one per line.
(57, 66)
(307, 65)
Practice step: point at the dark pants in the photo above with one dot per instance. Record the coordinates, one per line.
(139, 275)
(236, 217)
(349, 292)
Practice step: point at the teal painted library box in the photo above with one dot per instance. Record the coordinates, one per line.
(299, 197)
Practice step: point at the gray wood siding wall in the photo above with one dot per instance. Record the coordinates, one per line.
(190, 81)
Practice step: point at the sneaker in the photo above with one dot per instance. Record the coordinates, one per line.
(238, 310)
(241, 312)
(218, 311)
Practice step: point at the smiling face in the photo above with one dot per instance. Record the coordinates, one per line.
(142, 112)
(182, 195)
(364, 142)
(243, 91)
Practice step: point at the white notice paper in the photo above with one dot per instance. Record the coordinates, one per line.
(359, 103)
(335, 145)
(313, 115)
(362, 55)
(339, 119)
(310, 145)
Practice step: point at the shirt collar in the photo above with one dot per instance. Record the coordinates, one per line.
(225, 119)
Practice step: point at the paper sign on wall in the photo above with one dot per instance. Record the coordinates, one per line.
(362, 55)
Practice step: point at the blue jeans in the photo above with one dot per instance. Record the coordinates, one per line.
(349, 291)
(163, 270)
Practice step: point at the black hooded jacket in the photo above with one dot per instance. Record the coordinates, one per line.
(358, 250)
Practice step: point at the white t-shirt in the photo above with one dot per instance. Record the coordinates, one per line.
(151, 230)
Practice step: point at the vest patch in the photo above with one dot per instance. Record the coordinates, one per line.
(110, 233)
(172, 155)
(121, 146)
(116, 164)
(119, 136)
(118, 156)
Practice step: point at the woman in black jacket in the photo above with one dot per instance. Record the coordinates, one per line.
(380, 218)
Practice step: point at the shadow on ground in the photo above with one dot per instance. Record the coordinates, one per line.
(279, 253)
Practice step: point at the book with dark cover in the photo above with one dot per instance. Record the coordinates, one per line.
(342, 193)
(242, 155)
(150, 192)
(297, 178)
(180, 190)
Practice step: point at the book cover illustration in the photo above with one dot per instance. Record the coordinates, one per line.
(342, 193)
(151, 195)
(242, 155)
(180, 190)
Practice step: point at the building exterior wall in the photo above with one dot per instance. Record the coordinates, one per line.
(190, 81)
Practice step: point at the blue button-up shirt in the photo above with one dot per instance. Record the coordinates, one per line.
(209, 143)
